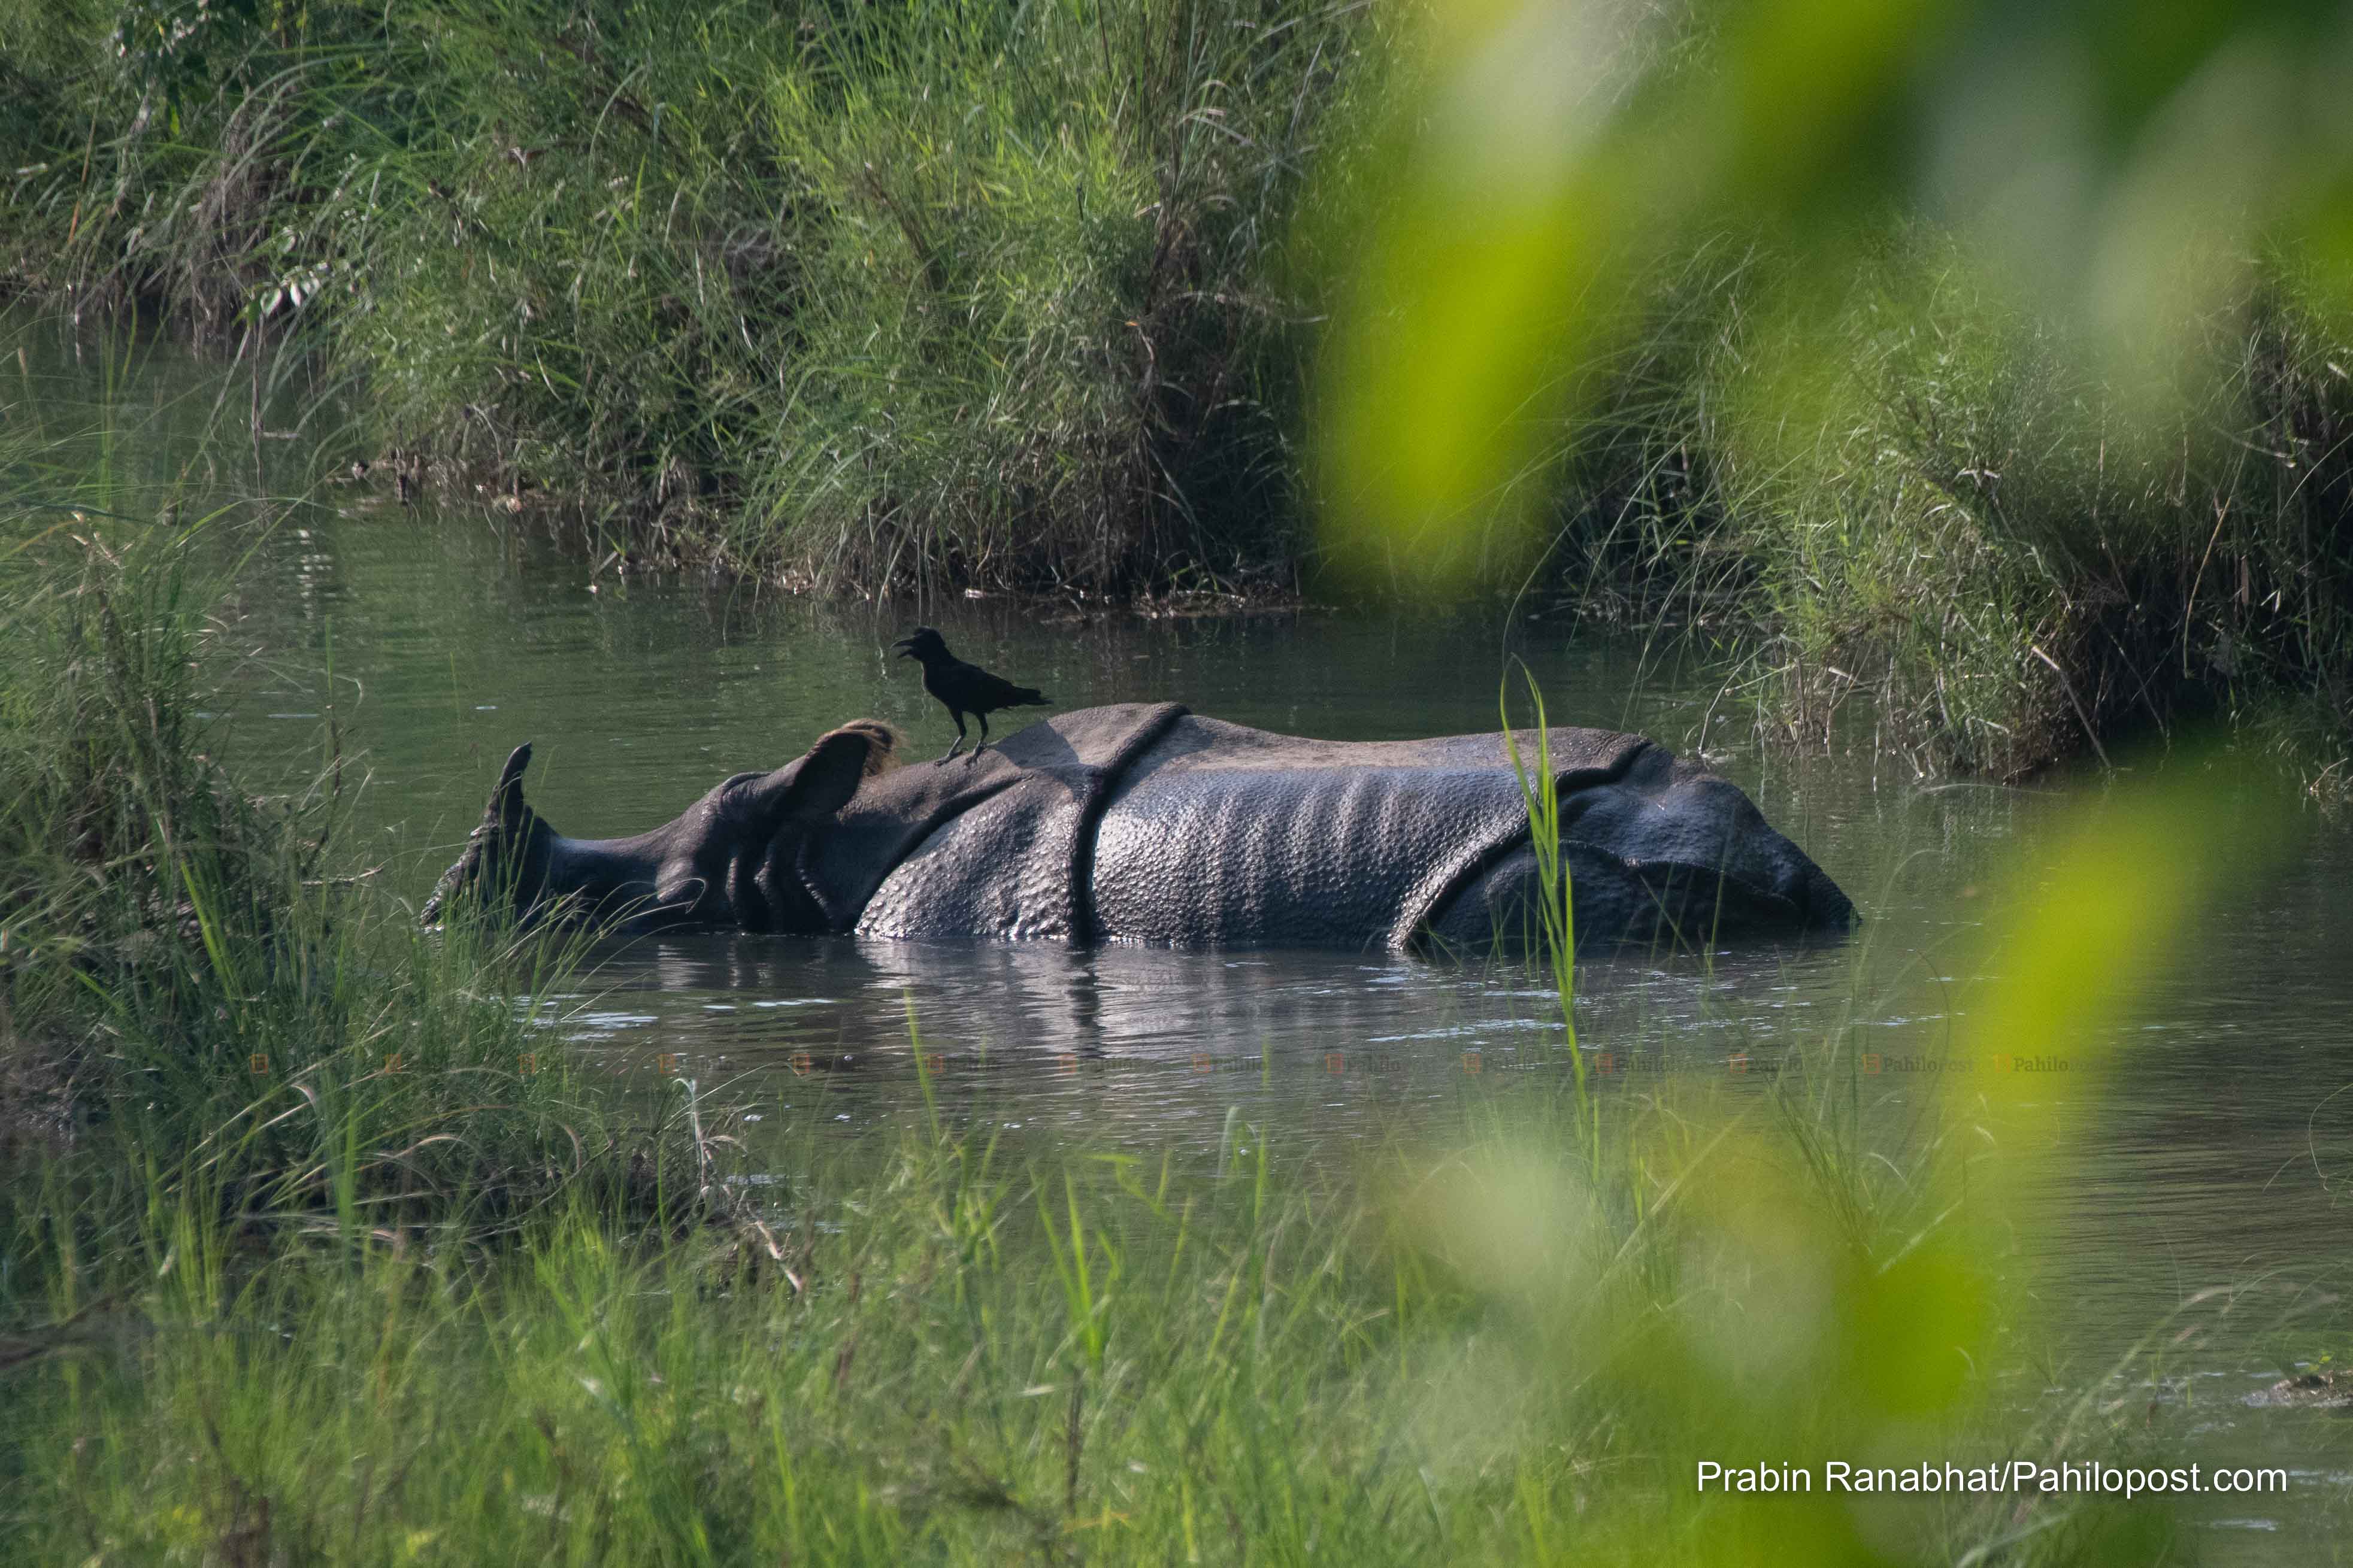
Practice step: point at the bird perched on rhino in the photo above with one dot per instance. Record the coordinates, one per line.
(964, 688)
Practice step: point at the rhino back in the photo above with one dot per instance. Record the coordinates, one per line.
(1225, 835)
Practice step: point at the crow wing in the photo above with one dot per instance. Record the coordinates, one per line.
(983, 693)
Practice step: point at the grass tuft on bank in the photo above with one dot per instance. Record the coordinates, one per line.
(206, 1007)
(866, 296)
(2028, 549)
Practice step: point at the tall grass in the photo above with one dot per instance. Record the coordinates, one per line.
(958, 1349)
(205, 1005)
(1902, 483)
(865, 296)
(2028, 548)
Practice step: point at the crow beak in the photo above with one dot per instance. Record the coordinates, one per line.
(905, 648)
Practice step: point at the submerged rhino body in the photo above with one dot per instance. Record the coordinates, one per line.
(1145, 823)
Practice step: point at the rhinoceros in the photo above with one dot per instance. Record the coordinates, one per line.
(1147, 823)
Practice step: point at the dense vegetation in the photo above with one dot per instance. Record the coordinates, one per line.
(864, 294)
(198, 979)
(868, 296)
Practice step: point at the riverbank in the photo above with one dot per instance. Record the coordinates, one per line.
(929, 298)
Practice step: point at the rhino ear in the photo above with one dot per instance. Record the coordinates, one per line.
(820, 784)
(507, 808)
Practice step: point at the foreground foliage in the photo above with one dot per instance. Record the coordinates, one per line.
(203, 1000)
(949, 1353)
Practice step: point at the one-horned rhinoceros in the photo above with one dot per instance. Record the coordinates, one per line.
(1144, 823)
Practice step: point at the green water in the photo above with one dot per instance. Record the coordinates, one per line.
(2219, 1154)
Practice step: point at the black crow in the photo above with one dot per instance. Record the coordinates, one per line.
(964, 688)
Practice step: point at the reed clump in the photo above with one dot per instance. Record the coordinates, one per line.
(204, 1002)
(862, 296)
(1904, 484)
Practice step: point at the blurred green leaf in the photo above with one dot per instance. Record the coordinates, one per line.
(2127, 168)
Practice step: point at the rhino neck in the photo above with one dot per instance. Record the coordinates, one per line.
(605, 878)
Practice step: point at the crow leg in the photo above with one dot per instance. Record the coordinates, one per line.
(960, 736)
(984, 738)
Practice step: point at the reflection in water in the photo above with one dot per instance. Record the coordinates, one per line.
(1021, 1007)
(2217, 1157)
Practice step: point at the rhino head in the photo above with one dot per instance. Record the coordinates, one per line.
(715, 863)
